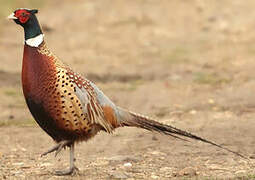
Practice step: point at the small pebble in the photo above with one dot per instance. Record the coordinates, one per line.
(128, 164)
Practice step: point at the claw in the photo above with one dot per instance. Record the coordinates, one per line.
(70, 171)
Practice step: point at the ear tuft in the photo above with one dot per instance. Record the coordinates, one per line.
(34, 11)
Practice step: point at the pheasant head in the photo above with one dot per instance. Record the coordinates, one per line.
(27, 19)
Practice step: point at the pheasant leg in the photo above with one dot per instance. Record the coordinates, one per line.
(72, 167)
(58, 147)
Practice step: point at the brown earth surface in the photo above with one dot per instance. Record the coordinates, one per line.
(187, 63)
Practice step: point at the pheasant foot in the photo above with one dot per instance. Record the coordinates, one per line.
(58, 147)
(66, 172)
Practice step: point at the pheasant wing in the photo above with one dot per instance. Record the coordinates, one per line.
(88, 96)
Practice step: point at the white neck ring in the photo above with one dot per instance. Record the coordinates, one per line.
(36, 41)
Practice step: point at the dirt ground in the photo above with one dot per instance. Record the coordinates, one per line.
(187, 63)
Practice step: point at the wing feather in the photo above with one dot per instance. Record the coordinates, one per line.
(91, 106)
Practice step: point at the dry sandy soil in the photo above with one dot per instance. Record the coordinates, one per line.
(188, 63)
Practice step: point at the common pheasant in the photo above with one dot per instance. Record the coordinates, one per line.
(67, 106)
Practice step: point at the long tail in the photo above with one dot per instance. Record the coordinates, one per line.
(136, 120)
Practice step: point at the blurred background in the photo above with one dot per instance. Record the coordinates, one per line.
(188, 63)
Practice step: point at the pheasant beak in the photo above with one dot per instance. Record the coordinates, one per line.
(12, 16)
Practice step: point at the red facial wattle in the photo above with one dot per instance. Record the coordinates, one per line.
(22, 15)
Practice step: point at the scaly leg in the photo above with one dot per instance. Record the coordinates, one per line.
(72, 166)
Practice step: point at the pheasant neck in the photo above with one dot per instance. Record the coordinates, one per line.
(33, 32)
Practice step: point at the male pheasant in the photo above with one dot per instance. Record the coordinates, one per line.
(67, 106)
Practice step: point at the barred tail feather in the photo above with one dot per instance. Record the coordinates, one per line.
(136, 120)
